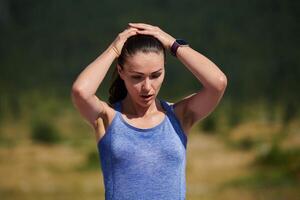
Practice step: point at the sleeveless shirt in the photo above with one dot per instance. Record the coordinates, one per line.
(144, 164)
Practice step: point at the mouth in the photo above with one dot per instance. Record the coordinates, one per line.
(147, 96)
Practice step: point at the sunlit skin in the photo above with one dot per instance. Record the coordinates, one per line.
(143, 74)
(145, 113)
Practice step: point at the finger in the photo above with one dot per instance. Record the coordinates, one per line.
(128, 34)
(131, 33)
(125, 32)
(141, 25)
(146, 32)
(130, 29)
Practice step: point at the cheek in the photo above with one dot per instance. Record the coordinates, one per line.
(160, 80)
(132, 87)
(156, 84)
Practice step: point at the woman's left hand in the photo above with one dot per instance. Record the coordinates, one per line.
(147, 29)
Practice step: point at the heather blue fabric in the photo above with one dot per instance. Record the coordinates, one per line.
(144, 164)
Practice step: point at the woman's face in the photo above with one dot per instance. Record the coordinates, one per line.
(143, 74)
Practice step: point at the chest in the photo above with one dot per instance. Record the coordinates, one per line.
(162, 146)
(145, 122)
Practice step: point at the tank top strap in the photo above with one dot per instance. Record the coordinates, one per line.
(168, 107)
(117, 106)
(175, 122)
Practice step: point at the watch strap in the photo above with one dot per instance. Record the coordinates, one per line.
(174, 48)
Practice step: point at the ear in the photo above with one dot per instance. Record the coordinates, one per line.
(120, 71)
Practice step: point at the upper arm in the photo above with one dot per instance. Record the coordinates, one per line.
(197, 106)
(91, 108)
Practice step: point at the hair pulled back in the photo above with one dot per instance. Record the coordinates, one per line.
(133, 45)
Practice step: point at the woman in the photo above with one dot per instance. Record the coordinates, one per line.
(142, 139)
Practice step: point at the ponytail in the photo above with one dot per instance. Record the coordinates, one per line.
(117, 90)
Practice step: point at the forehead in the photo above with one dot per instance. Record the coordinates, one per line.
(145, 62)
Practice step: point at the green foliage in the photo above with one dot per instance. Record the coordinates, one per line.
(209, 124)
(290, 112)
(234, 114)
(246, 143)
(6, 142)
(273, 167)
(44, 132)
(265, 179)
(273, 155)
(92, 162)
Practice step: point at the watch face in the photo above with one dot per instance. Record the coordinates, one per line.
(181, 42)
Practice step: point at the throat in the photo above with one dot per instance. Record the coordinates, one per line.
(133, 110)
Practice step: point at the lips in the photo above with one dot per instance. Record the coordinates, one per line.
(147, 96)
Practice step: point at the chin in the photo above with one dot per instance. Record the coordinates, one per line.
(149, 102)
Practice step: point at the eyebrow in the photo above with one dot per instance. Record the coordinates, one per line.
(143, 73)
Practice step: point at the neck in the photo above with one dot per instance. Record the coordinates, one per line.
(132, 108)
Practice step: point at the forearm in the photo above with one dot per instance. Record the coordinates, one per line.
(92, 76)
(205, 70)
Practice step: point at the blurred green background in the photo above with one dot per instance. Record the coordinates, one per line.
(249, 147)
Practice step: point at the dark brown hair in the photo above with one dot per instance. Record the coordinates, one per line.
(134, 44)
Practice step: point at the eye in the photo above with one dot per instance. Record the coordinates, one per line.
(136, 77)
(155, 75)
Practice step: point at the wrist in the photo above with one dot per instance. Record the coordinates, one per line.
(171, 43)
(176, 44)
(114, 50)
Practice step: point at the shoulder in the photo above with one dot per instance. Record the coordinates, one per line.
(109, 112)
(178, 108)
(174, 107)
(102, 123)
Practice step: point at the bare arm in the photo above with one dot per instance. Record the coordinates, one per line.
(198, 105)
(202, 103)
(85, 86)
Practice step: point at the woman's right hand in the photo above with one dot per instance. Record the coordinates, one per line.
(118, 43)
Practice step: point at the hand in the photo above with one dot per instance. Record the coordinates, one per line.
(166, 39)
(118, 43)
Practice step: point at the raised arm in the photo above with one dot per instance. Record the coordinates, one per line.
(198, 105)
(85, 86)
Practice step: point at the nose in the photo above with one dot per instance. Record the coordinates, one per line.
(146, 85)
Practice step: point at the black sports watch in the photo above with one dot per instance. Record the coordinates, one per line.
(177, 43)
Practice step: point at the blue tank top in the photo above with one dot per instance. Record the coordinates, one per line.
(144, 164)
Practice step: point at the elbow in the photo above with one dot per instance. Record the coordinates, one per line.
(221, 83)
(77, 92)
